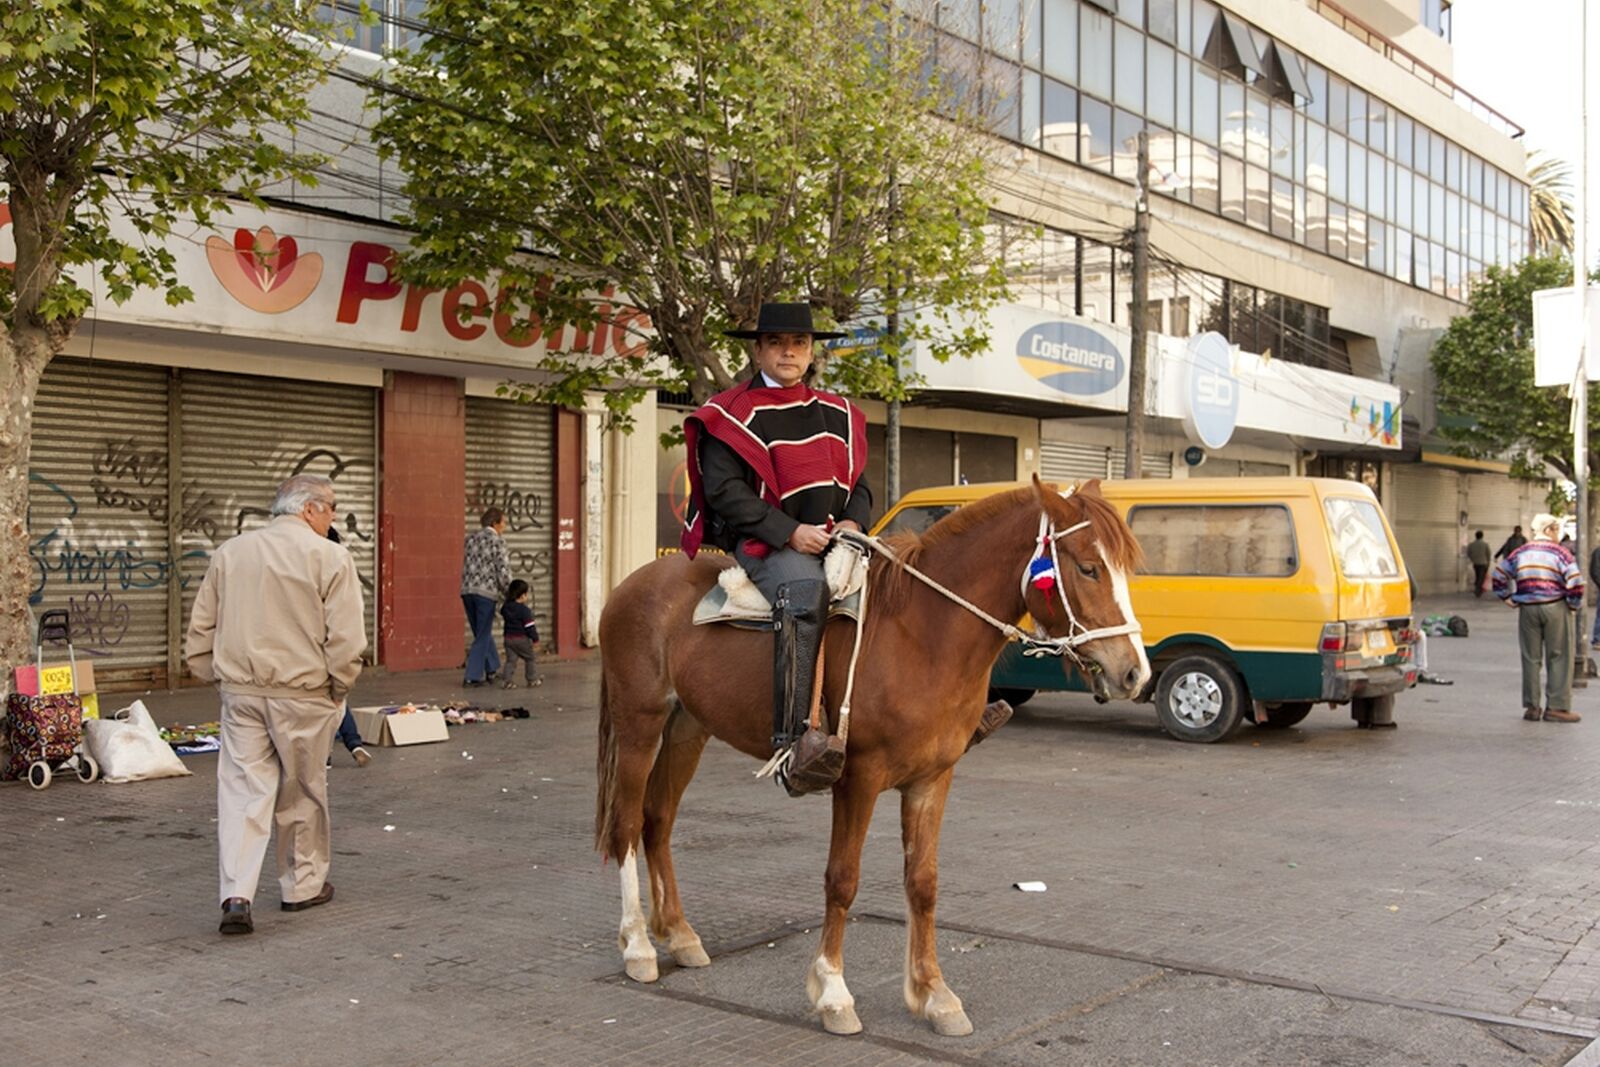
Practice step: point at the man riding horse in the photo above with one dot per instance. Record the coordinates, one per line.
(775, 467)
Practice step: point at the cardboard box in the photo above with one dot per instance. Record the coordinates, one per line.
(417, 728)
(32, 681)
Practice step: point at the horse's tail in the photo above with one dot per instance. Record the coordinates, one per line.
(605, 773)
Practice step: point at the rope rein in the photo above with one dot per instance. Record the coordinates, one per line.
(1035, 644)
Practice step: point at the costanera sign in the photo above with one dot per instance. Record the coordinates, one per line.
(1071, 358)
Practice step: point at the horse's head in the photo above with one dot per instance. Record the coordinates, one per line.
(1087, 603)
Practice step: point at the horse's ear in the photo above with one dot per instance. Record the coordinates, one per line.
(1040, 489)
(1092, 487)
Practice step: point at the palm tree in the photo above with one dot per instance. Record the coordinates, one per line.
(1549, 203)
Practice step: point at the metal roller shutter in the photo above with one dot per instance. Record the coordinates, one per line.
(1426, 521)
(97, 512)
(1065, 461)
(1496, 503)
(243, 435)
(1152, 464)
(511, 465)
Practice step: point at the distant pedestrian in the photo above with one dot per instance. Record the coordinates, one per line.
(280, 626)
(1541, 580)
(1478, 556)
(521, 634)
(1594, 575)
(349, 734)
(485, 573)
(1514, 542)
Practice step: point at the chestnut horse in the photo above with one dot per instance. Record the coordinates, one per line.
(667, 685)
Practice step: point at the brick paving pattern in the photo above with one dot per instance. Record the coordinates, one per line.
(1451, 862)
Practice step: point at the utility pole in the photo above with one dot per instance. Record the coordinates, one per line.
(891, 422)
(1133, 457)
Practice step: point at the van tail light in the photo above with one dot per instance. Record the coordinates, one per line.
(1334, 637)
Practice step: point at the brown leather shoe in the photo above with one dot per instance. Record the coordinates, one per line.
(321, 898)
(815, 763)
(1554, 715)
(236, 917)
(995, 716)
(1532, 714)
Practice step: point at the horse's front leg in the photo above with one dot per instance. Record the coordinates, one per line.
(921, 815)
(853, 800)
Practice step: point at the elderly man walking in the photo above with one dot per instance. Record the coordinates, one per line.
(278, 624)
(1543, 582)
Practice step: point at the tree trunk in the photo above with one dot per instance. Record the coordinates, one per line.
(22, 362)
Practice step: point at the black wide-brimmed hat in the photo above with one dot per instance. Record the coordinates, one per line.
(785, 318)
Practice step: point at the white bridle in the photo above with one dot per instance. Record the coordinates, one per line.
(1040, 643)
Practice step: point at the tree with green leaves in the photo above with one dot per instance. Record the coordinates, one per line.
(1549, 204)
(1483, 364)
(121, 120)
(698, 159)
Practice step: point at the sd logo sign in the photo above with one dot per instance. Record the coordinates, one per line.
(1071, 358)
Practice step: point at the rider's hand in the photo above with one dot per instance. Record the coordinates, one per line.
(809, 539)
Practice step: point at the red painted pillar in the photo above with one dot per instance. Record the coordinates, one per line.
(569, 531)
(422, 429)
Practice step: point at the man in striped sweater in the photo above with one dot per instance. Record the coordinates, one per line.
(1543, 582)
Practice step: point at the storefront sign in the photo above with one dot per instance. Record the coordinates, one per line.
(1216, 390)
(1039, 355)
(1211, 395)
(306, 279)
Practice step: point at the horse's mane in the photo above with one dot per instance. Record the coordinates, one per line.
(1121, 548)
(891, 583)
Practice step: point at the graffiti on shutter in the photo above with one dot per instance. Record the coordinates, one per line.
(511, 466)
(244, 435)
(97, 512)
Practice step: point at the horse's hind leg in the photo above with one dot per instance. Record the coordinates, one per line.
(674, 767)
(921, 815)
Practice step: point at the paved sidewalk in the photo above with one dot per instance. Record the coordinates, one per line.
(1321, 895)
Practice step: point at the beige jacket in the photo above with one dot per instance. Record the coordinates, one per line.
(280, 614)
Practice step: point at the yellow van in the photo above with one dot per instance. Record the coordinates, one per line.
(1259, 598)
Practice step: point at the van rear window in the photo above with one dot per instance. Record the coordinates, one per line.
(1359, 539)
(1250, 540)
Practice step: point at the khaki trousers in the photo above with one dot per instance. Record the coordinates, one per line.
(1544, 633)
(273, 769)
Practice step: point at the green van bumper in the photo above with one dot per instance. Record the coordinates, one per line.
(1273, 677)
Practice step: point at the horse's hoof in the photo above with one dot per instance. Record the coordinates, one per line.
(642, 969)
(842, 1020)
(693, 955)
(951, 1023)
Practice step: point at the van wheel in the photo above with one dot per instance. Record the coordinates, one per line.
(1282, 716)
(1015, 697)
(1199, 698)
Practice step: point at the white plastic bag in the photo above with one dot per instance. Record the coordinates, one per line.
(129, 748)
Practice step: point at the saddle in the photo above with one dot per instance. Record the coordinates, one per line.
(735, 600)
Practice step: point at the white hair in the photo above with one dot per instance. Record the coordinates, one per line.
(297, 492)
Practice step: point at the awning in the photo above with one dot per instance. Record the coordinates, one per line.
(1244, 47)
(1294, 74)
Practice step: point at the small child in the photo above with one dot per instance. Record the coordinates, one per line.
(521, 634)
